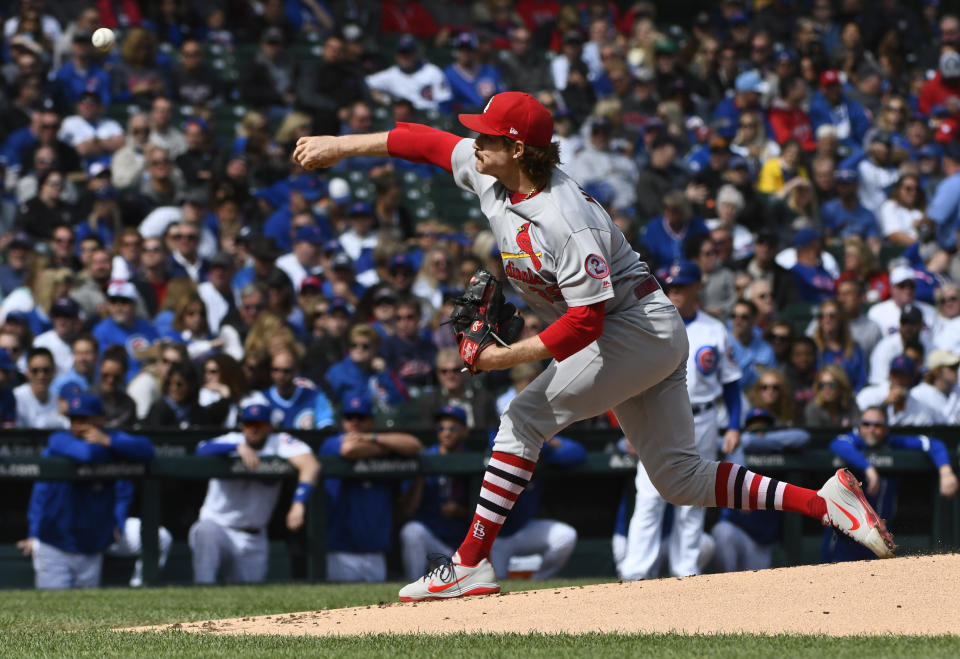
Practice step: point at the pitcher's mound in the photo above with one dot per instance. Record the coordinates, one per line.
(913, 595)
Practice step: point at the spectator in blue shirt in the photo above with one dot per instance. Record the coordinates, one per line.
(831, 106)
(664, 237)
(438, 505)
(81, 73)
(836, 346)
(295, 407)
(408, 352)
(750, 351)
(845, 215)
(873, 434)
(72, 522)
(812, 282)
(471, 81)
(944, 207)
(362, 373)
(360, 512)
(122, 327)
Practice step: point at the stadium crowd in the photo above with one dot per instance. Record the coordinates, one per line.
(161, 250)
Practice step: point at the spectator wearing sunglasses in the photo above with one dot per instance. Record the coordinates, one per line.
(295, 406)
(362, 373)
(37, 407)
(750, 351)
(871, 434)
(452, 389)
(408, 352)
(833, 403)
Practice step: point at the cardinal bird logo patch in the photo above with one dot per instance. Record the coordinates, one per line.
(525, 245)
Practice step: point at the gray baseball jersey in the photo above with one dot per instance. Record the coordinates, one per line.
(559, 248)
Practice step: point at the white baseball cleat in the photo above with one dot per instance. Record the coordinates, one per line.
(849, 512)
(452, 579)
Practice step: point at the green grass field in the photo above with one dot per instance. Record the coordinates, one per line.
(79, 623)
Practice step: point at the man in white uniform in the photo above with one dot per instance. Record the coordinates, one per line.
(616, 340)
(711, 373)
(232, 530)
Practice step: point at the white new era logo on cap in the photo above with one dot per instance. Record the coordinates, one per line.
(514, 131)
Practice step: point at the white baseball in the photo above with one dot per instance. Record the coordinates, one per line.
(103, 38)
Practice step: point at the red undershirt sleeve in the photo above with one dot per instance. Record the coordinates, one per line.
(574, 330)
(419, 143)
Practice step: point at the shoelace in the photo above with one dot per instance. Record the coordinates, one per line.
(444, 568)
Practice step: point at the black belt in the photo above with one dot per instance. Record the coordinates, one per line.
(245, 529)
(646, 287)
(700, 409)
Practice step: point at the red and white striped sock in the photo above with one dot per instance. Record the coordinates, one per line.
(738, 487)
(503, 482)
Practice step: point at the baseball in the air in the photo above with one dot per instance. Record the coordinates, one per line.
(103, 38)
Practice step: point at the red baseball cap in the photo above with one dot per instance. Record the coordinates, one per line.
(829, 77)
(516, 115)
(946, 131)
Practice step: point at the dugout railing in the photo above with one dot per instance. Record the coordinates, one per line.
(935, 522)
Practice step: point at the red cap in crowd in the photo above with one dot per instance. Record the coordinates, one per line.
(829, 77)
(946, 131)
(516, 115)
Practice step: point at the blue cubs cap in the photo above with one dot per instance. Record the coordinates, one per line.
(903, 364)
(846, 175)
(255, 413)
(738, 18)
(683, 272)
(738, 162)
(401, 261)
(332, 246)
(758, 413)
(69, 390)
(359, 208)
(465, 40)
(453, 412)
(338, 304)
(804, 237)
(308, 234)
(406, 44)
(84, 404)
(928, 151)
(6, 362)
(357, 405)
(65, 307)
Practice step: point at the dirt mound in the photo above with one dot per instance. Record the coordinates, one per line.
(913, 595)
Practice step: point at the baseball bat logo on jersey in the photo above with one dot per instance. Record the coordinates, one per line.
(706, 359)
(596, 267)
